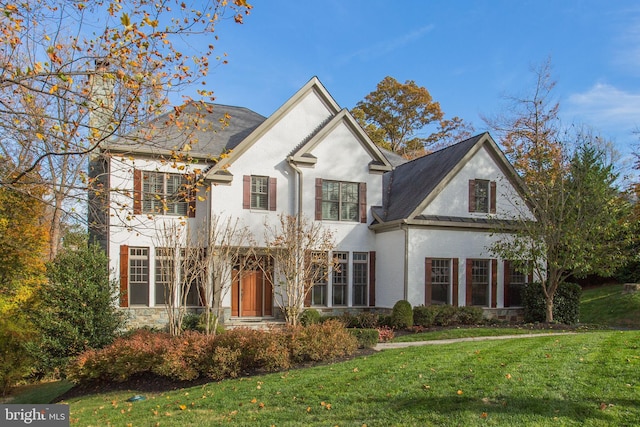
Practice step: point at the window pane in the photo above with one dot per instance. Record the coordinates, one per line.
(360, 278)
(139, 276)
(330, 210)
(349, 192)
(163, 274)
(440, 281)
(517, 281)
(259, 192)
(340, 277)
(319, 294)
(164, 193)
(482, 196)
(340, 201)
(480, 282)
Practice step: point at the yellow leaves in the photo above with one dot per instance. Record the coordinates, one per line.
(182, 407)
(459, 392)
(39, 136)
(124, 19)
(53, 89)
(508, 376)
(326, 406)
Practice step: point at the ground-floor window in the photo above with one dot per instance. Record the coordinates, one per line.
(515, 281)
(319, 289)
(480, 280)
(138, 276)
(360, 278)
(340, 277)
(164, 275)
(440, 281)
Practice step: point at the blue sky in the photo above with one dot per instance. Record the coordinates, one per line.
(468, 54)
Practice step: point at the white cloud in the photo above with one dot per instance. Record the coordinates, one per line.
(605, 107)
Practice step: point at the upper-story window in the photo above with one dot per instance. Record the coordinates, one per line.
(340, 201)
(259, 192)
(482, 196)
(164, 193)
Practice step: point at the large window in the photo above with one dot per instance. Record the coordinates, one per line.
(340, 201)
(340, 277)
(319, 274)
(440, 281)
(360, 278)
(260, 192)
(480, 275)
(139, 276)
(482, 196)
(164, 193)
(191, 276)
(164, 275)
(517, 281)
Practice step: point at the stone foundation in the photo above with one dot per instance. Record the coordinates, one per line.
(507, 314)
(629, 288)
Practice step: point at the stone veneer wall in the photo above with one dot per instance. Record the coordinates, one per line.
(507, 314)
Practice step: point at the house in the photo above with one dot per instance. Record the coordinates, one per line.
(417, 230)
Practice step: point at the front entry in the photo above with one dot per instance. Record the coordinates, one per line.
(251, 292)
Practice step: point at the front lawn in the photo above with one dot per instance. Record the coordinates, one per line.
(584, 379)
(609, 305)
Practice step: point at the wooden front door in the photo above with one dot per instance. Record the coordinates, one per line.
(251, 294)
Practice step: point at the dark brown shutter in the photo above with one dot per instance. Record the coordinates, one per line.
(469, 287)
(318, 199)
(372, 279)
(506, 282)
(137, 191)
(193, 196)
(454, 284)
(472, 195)
(492, 195)
(273, 185)
(246, 192)
(427, 281)
(308, 287)
(124, 276)
(362, 194)
(494, 283)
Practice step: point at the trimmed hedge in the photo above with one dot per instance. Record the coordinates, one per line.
(367, 338)
(402, 315)
(566, 303)
(193, 355)
(446, 315)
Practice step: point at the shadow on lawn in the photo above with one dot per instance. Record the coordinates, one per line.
(577, 411)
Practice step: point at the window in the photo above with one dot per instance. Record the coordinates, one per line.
(515, 281)
(340, 277)
(482, 196)
(164, 193)
(191, 276)
(164, 275)
(139, 276)
(340, 201)
(360, 277)
(260, 192)
(480, 274)
(319, 274)
(440, 281)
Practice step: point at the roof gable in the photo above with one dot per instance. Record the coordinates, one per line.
(410, 187)
(303, 153)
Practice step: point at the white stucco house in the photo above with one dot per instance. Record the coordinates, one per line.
(417, 230)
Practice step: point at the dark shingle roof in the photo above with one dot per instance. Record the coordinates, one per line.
(410, 183)
(210, 129)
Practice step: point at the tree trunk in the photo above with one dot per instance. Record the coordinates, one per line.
(549, 308)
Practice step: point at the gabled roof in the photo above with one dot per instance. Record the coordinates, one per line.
(302, 153)
(412, 185)
(219, 128)
(312, 85)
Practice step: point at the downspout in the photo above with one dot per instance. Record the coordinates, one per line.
(299, 173)
(404, 227)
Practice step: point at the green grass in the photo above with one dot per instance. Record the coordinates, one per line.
(588, 379)
(43, 392)
(467, 332)
(608, 305)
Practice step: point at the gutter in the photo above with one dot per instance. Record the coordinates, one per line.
(405, 227)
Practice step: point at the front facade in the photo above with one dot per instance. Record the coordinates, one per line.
(416, 230)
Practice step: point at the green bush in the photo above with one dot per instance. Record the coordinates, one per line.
(402, 315)
(367, 320)
(367, 338)
(424, 316)
(15, 360)
(566, 303)
(468, 315)
(77, 308)
(310, 316)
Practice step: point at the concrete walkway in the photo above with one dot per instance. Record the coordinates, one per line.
(392, 345)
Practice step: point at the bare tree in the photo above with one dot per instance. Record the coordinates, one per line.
(300, 250)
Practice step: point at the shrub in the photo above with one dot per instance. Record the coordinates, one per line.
(77, 308)
(328, 340)
(402, 315)
(566, 303)
(385, 334)
(183, 357)
(445, 315)
(468, 315)
(14, 357)
(366, 320)
(258, 349)
(367, 338)
(424, 316)
(310, 316)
